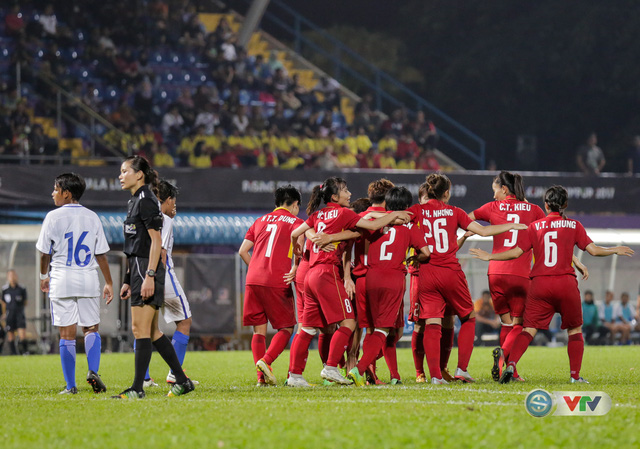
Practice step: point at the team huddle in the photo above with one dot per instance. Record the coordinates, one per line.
(350, 275)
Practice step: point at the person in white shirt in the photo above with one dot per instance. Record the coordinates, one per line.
(72, 246)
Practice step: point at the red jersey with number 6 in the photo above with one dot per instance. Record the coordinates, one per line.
(331, 219)
(440, 222)
(272, 252)
(388, 246)
(509, 210)
(552, 240)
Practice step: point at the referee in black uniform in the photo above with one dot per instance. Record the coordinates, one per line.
(144, 281)
(14, 297)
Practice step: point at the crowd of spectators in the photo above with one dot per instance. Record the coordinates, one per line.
(611, 322)
(182, 96)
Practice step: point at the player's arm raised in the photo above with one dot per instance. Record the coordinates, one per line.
(601, 251)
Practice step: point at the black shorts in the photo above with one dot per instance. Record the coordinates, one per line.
(16, 320)
(137, 268)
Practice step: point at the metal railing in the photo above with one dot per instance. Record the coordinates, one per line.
(355, 72)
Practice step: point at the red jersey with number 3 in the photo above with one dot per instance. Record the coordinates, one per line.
(331, 220)
(440, 222)
(360, 247)
(552, 240)
(388, 246)
(272, 252)
(509, 210)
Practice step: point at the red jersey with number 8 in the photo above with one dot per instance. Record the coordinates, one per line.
(552, 240)
(440, 222)
(272, 252)
(509, 210)
(332, 219)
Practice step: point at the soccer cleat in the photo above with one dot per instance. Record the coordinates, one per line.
(579, 380)
(129, 393)
(72, 390)
(327, 383)
(333, 374)
(507, 374)
(171, 379)
(436, 381)
(96, 383)
(396, 382)
(446, 375)
(261, 383)
(464, 376)
(269, 377)
(181, 389)
(296, 380)
(498, 362)
(372, 378)
(354, 375)
(518, 379)
(421, 378)
(149, 383)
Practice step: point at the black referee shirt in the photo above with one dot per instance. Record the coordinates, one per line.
(14, 298)
(143, 213)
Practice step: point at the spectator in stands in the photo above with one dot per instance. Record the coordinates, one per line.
(49, 22)
(369, 160)
(172, 123)
(19, 118)
(162, 158)
(407, 147)
(257, 120)
(427, 161)
(592, 328)
(327, 160)
(193, 33)
(590, 158)
(424, 131)
(609, 314)
(267, 157)
(14, 23)
(200, 157)
(37, 141)
(330, 90)
(487, 322)
(388, 141)
(407, 163)
(104, 40)
(394, 124)
(363, 141)
(226, 158)
(208, 119)
(633, 157)
(127, 66)
(300, 92)
(346, 158)
(387, 160)
(625, 318)
(240, 120)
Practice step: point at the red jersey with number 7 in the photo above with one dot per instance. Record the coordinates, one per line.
(332, 219)
(552, 240)
(272, 252)
(440, 222)
(388, 246)
(509, 210)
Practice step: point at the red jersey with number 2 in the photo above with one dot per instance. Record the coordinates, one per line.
(361, 246)
(332, 219)
(388, 246)
(272, 252)
(552, 240)
(440, 222)
(509, 210)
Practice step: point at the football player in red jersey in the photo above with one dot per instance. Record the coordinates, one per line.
(385, 282)
(327, 301)
(442, 283)
(268, 292)
(554, 287)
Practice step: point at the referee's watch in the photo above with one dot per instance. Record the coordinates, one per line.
(151, 273)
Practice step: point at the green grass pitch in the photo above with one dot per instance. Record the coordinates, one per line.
(228, 411)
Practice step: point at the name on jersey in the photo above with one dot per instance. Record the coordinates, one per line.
(329, 215)
(278, 218)
(438, 213)
(517, 207)
(130, 228)
(556, 224)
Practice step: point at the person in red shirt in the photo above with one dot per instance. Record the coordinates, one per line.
(385, 281)
(442, 283)
(554, 287)
(327, 301)
(268, 292)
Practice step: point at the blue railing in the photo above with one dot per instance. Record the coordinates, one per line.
(351, 69)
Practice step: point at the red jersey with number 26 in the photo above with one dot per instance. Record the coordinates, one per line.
(509, 210)
(332, 219)
(388, 246)
(272, 252)
(552, 240)
(440, 222)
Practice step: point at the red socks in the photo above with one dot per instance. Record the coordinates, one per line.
(520, 345)
(417, 349)
(339, 343)
(432, 336)
(446, 345)
(504, 332)
(277, 345)
(258, 348)
(300, 352)
(293, 342)
(466, 337)
(370, 349)
(324, 343)
(575, 348)
(391, 356)
(511, 338)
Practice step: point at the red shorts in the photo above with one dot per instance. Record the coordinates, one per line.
(362, 304)
(385, 292)
(414, 312)
(301, 274)
(551, 294)
(508, 293)
(326, 300)
(263, 303)
(443, 291)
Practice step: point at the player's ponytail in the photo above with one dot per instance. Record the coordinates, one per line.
(138, 163)
(437, 186)
(556, 198)
(513, 182)
(324, 192)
